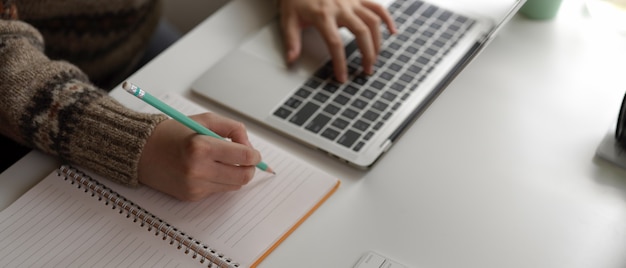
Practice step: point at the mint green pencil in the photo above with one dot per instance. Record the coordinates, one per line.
(178, 116)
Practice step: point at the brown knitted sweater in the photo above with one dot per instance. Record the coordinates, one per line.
(48, 99)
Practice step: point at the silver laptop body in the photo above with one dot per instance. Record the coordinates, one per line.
(359, 120)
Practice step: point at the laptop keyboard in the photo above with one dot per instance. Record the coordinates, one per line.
(352, 112)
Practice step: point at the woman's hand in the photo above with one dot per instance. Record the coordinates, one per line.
(361, 17)
(190, 166)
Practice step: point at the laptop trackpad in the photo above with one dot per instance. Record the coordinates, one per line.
(254, 78)
(254, 89)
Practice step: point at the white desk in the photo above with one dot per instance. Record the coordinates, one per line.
(498, 172)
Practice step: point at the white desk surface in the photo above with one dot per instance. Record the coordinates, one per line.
(498, 172)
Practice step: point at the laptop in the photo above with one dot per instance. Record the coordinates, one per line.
(356, 121)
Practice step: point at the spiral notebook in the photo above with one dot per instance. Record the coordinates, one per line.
(74, 218)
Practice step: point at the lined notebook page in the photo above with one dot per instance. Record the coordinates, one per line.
(55, 224)
(246, 224)
(58, 224)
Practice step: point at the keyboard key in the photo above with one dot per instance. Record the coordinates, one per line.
(325, 72)
(388, 115)
(385, 75)
(431, 51)
(385, 34)
(318, 123)
(293, 103)
(359, 104)
(331, 87)
(351, 47)
(303, 93)
(360, 79)
(379, 105)
(321, 97)
(340, 123)
(394, 46)
(341, 99)
(368, 136)
(378, 126)
(352, 69)
(413, 7)
(423, 60)
(406, 78)
(435, 26)
(398, 87)
(386, 54)
(380, 62)
(361, 125)
(415, 68)
(313, 83)
(418, 22)
(358, 146)
(396, 67)
(403, 37)
(445, 15)
(377, 85)
(307, 111)
(368, 94)
(429, 11)
(351, 90)
(330, 134)
(388, 96)
(404, 58)
(371, 115)
(282, 113)
(348, 138)
(331, 109)
(349, 113)
(400, 20)
(438, 43)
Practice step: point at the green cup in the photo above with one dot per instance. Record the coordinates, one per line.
(540, 9)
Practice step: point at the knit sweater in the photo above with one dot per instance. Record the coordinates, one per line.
(48, 97)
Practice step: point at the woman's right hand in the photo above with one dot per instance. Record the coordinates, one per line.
(189, 166)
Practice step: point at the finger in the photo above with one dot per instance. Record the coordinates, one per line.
(225, 152)
(373, 23)
(329, 30)
(292, 35)
(225, 175)
(383, 14)
(363, 38)
(225, 127)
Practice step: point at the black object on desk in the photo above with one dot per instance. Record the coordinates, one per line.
(620, 131)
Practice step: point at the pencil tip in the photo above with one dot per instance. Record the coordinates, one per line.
(270, 170)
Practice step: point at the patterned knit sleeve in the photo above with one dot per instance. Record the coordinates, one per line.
(52, 106)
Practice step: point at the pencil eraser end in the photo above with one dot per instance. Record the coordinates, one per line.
(126, 85)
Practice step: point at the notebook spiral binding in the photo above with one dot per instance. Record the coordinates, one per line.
(146, 219)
